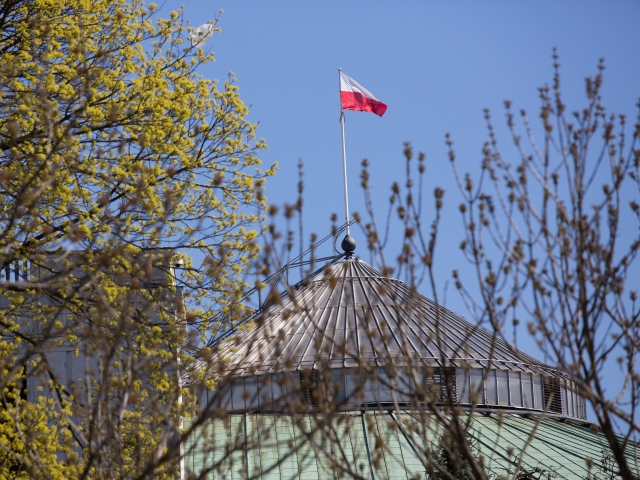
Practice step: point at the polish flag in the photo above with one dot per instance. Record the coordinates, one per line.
(355, 97)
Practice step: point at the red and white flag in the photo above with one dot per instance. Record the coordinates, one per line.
(355, 97)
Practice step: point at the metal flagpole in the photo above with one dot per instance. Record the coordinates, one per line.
(344, 158)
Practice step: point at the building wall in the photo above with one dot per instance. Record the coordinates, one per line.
(71, 361)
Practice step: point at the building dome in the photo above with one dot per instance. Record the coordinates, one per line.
(374, 335)
(351, 374)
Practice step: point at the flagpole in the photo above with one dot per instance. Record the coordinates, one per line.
(344, 159)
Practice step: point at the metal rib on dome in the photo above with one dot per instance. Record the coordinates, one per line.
(351, 313)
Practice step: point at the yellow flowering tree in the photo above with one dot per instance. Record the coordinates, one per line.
(130, 192)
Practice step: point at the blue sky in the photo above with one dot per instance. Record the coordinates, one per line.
(436, 65)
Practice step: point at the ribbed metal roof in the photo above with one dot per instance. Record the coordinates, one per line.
(350, 313)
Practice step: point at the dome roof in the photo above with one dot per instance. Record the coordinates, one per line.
(344, 319)
(349, 313)
(350, 335)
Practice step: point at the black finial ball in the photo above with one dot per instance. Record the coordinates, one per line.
(348, 245)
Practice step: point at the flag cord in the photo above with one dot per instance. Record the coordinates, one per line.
(344, 159)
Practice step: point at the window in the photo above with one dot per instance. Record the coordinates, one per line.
(15, 272)
(552, 395)
(237, 394)
(491, 392)
(537, 392)
(309, 387)
(515, 387)
(527, 393)
(462, 386)
(477, 388)
(353, 383)
(446, 379)
(250, 393)
(384, 386)
(503, 387)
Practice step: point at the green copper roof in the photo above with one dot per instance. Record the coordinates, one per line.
(291, 446)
